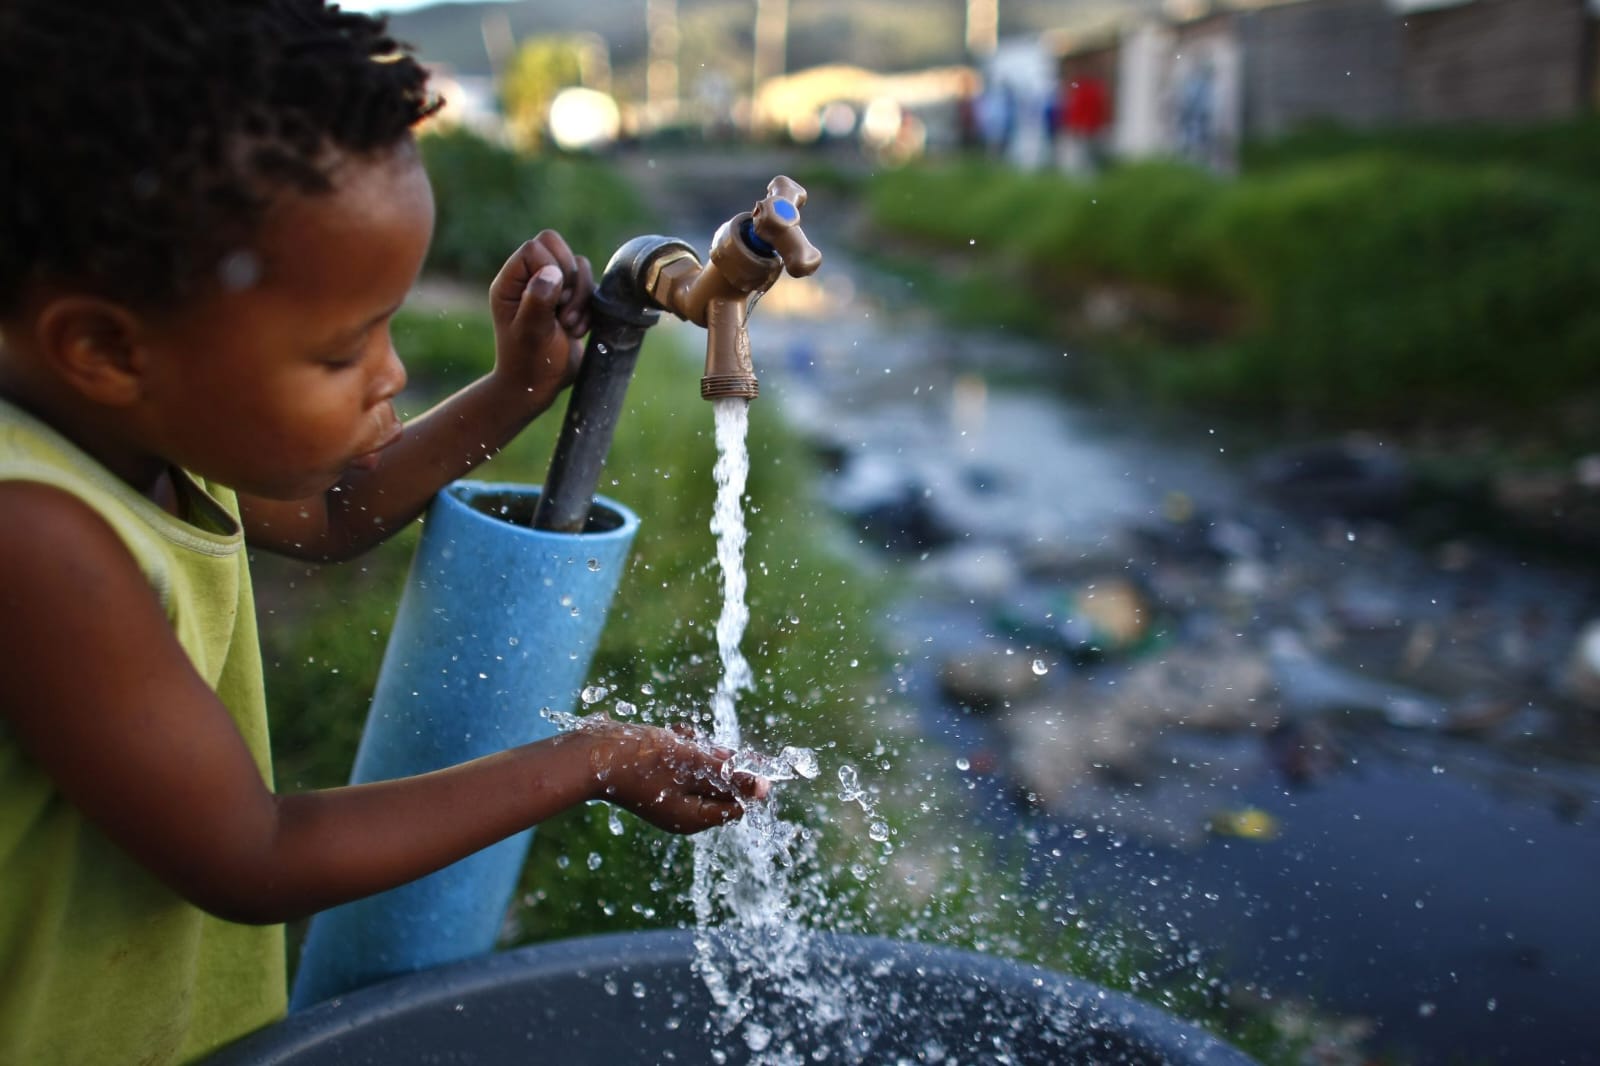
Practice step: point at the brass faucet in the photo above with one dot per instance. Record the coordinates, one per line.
(646, 276)
(748, 252)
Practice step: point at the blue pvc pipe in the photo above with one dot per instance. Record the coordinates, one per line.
(498, 621)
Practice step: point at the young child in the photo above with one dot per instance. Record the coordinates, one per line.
(211, 210)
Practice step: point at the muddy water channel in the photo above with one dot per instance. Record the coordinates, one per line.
(1218, 689)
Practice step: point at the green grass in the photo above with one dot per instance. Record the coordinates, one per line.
(489, 199)
(1567, 149)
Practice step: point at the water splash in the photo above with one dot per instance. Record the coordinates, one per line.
(774, 990)
(749, 941)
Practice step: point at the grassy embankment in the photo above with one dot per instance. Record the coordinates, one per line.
(1436, 283)
(820, 674)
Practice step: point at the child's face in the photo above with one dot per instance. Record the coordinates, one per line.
(283, 382)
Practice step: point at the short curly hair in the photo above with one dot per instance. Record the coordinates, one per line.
(140, 143)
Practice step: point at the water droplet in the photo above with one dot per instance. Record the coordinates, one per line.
(802, 760)
(757, 1036)
(593, 564)
(593, 694)
(848, 782)
(613, 823)
(963, 764)
(595, 861)
(1040, 668)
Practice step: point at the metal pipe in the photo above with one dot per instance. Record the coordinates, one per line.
(620, 313)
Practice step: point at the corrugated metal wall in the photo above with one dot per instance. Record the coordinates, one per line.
(1496, 60)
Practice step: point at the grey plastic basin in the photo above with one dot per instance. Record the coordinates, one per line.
(636, 998)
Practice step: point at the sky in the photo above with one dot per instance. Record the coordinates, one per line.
(368, 7)
(392, 6)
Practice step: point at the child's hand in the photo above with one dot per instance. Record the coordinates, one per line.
(666, 777)
(540, 305)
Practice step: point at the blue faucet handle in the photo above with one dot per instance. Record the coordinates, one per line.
(775, 221)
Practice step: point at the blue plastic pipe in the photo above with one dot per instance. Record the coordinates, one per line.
(498, 621)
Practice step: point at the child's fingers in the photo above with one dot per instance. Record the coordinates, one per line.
(746, 785)
(575, 303)
(553, 248)
(578, 281)
(752, 786)
(510, 285)
(540, 297)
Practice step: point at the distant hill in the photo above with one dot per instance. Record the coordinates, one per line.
(883, 35)
(452, 34)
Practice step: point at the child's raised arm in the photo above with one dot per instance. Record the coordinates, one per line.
(96, 688)
(540, 306)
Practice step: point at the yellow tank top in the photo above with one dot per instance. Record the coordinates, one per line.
(100, 963)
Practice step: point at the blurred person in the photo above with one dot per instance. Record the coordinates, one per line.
(1086, 119)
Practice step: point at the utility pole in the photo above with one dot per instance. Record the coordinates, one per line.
(983, 28)
(498, 41)
(772, 43)
(661, 71)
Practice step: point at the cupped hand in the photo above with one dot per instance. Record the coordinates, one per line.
(668, 777)
(539, 303)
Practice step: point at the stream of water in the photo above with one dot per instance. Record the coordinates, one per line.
(750, 941)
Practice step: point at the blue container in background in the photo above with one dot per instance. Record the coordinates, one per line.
(498, 622)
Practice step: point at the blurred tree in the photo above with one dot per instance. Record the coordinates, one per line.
(541, 68)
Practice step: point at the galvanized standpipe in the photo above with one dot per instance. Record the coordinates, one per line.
(507, 597)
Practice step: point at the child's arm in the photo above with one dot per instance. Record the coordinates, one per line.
(538, 314)
(97, 690)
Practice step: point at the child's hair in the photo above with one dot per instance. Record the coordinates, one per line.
(140, 143)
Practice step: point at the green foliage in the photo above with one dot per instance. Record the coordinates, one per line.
(1568, 149)
(323, 630)
(1367, 287)
(541, 68)
(489, 199)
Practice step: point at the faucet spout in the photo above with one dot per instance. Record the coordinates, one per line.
(646, 276)
(748, 254)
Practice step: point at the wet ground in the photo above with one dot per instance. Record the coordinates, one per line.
(1220, 687)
